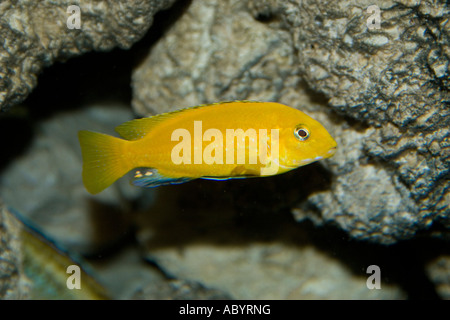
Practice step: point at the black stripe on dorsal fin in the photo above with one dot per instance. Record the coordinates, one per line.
(138, 128)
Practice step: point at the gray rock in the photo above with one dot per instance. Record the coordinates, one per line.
(438, 271)
(34, 35)
(202, 232)
(387, 92)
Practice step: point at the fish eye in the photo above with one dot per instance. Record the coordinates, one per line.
(301, 133)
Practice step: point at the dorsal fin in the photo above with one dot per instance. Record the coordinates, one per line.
(138, 128)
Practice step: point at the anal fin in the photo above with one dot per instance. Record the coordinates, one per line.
(150, 177)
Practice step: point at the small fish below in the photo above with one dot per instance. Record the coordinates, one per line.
(220, 141)
(51, 271)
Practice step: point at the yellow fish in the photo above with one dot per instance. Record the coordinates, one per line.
(219, 141)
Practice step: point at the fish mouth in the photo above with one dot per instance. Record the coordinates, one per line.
(331, 152)
(303, 162)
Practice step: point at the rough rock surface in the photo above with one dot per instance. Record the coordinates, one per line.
(34, 34)
(387, 91)
(13, 281)
(396, 80)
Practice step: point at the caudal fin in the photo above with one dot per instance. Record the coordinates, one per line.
(103, 160)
